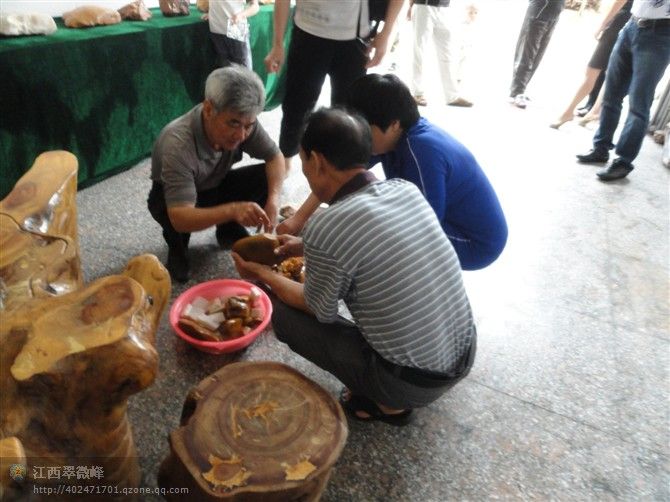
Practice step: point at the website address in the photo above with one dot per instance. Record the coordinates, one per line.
(62, 489)
(154, 491)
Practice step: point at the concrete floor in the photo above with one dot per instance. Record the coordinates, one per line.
(568, 398)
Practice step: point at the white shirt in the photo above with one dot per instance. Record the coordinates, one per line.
(220, 11)
(333, 19)
(651, 9)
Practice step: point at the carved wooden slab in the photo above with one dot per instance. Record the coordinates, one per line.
(255, 431)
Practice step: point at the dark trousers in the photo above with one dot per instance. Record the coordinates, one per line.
(230, 51)
(341, 349)
(536, 31)
(247, 183)
(309, 60)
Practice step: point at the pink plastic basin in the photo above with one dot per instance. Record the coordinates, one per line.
(210, 290)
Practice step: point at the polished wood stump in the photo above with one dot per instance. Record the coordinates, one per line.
(255, 431)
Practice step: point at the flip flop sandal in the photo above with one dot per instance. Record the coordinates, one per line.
(420, 100)
(357, 403)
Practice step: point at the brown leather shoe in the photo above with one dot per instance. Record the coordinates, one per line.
(461, 102)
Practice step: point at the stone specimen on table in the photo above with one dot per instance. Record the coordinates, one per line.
(87, 16)
(26, 24)
(135, 11)
(174, 7)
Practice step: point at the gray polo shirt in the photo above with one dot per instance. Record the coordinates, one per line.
(382, 250)
(185, 163)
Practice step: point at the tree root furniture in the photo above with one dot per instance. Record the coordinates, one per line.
(70, 353)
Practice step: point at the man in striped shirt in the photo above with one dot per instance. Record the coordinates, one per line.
(380, 248)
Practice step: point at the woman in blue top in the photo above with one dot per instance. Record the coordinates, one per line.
(411, 148)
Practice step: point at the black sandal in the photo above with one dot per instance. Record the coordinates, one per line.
(357, 403)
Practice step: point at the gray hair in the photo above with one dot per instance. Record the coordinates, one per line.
(235, 88)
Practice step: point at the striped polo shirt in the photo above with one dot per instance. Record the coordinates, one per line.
(382, 250)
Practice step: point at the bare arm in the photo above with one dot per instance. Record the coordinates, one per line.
(274, 171)
(275, 58)
(294, 224)
(616, 7)
(380, 43)
(288, 291)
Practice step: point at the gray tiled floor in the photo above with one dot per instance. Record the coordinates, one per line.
(568, 398)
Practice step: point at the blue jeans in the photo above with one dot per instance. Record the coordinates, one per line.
(637, 63)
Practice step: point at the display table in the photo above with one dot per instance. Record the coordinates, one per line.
(105, 93)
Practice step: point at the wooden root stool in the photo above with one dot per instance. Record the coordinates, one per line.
(70, 354)
(255, 431)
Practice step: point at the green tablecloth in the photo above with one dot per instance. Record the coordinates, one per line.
(105, 93)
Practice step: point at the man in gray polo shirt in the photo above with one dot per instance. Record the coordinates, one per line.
(380, 248)
(194, 186)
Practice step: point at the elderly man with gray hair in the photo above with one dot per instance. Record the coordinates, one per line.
(194, 186)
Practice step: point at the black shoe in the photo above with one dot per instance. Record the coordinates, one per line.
(594, 156)
(177, 265)
(616, 170)
(583, 111)
(228, 233)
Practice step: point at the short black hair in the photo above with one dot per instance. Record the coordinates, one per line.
(342, 137)
(383, 99)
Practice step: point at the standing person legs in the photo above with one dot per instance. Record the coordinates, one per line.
(539, 25)
(651, 55)
(444, 50)
(307, 65)
(593, 95)
(619, 73)
(422, 28)
(347, 66)
(590, 77)
(230, 51)
(594, 112)
(638, 62)
(522, 54)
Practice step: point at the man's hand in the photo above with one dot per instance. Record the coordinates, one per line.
(289, 245)
(292, 225)
(274, 59)
(250, 270)
(377, 50)
(250, 214)
(287, 290)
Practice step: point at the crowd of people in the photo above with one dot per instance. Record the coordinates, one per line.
(380, 245)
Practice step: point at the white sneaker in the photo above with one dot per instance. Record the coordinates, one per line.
(521, 101)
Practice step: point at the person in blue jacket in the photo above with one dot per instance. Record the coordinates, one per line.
(448, 175)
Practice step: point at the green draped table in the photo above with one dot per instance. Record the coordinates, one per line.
(104, 93)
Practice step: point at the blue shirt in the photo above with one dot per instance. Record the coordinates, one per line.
(456, 188)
